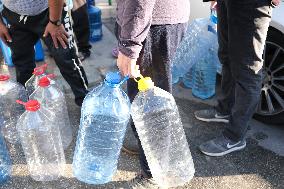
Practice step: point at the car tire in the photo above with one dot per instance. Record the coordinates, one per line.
(272, 117)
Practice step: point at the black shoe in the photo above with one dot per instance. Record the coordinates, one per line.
(221, 146)
(211, 115)
(84, 55)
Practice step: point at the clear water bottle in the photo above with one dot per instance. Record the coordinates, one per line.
(41, 142)
(5, 162)
(157, 120)
(51, 98)
(10, 111)
(39, 72)
(104, 118)
(188, 51)
(206, 67)
(187, 79)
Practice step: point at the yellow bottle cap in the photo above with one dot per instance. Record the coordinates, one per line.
(145, 83)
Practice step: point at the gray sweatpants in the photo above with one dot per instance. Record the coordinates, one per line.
(242, 30)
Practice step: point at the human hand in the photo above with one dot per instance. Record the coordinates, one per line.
(275, 3)
(127, 66)
(57, 33)
(4, 34)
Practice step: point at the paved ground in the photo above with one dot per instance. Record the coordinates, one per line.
(259, 166)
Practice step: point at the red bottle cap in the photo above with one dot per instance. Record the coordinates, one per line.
(44, 82)
(31, 105)
(4, 77)
(40, 70)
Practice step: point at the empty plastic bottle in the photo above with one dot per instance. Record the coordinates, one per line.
(104, 118)
(51, 98)
(206, 66)
(10, 111)
(5, 162)
(189, 49)
(157, 120)
(41, 142)
(39, 72)
(187, 79)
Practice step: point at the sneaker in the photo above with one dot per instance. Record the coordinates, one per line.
(140, 182)
(221, 146)
(211, 115)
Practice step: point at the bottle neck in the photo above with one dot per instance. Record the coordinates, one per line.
(109, 84)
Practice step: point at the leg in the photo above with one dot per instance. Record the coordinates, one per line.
(155, 62)
(226, 98)
(67, 59)
(22, 48)
(81, 28)
(249, 21)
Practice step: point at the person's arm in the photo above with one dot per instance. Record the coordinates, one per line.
(136, 22)
(57, 32)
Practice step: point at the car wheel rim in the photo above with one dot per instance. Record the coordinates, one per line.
(272, 93)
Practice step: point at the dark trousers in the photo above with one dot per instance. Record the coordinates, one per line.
(27, 32)
(242, 30)
(155, 61)
(81, 27)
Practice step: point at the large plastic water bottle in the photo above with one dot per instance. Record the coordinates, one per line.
(206, 66)
(10, 111)
(157, 120)
(189, 49)
(95, 13)
(5, 161)
(39, 72)
(104, 118)
(51, 98)
(41, 142)
(187, 79)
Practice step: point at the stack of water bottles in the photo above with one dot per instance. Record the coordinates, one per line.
(196, 60)
(41, 125)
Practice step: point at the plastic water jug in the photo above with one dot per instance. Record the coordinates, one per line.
(41, 142)
(157, 120)
(39, 72)
(188, 52)
(95, 13)
(5, 162)
(51, 98)
(6, 51)
(10, 111)
(206, 66)
(104, 118)
(187, 79)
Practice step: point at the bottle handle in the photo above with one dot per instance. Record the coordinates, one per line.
(21, 102)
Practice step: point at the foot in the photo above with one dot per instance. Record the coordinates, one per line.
(140, 182)
(221, 146)
(84, 55)
(211, 115)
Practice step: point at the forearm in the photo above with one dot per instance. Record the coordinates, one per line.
(136, 22)
(55, 9)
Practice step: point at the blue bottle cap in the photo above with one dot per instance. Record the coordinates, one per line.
(113, 77)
